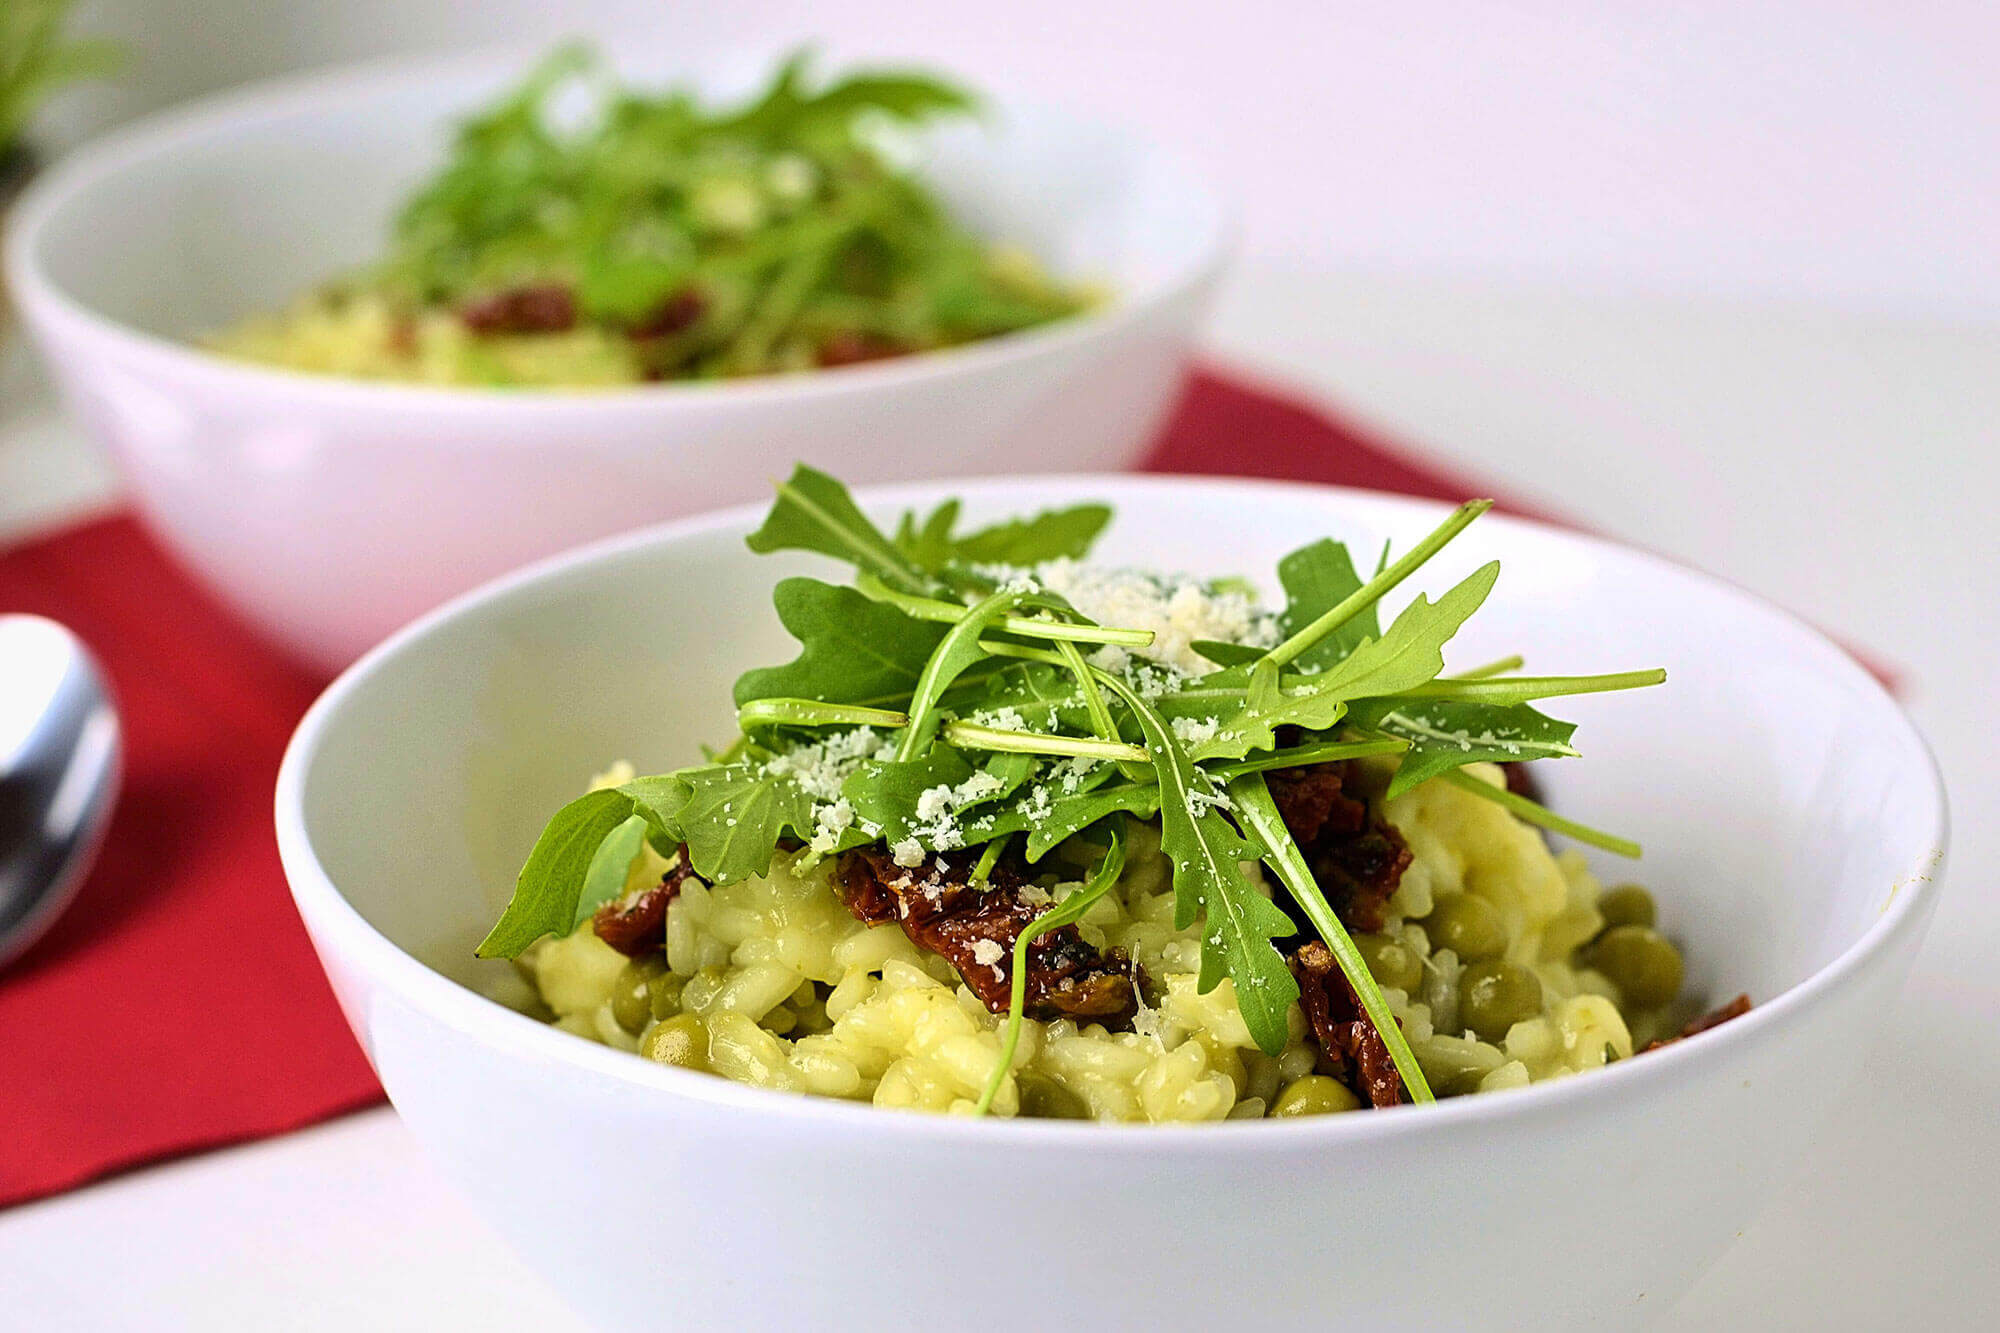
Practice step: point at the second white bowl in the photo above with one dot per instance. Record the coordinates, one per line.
(331, 511)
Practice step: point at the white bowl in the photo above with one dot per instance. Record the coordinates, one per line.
(331, 511)
(1795, 828)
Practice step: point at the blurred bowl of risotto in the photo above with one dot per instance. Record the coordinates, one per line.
(329, 510)
(1794, 826)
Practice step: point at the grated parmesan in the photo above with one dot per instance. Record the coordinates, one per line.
(1178, 609)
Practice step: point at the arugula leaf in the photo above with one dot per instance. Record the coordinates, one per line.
(1446, 733)
(885, 792)
(1050, 819)
(1412, 651)
(852, 650)
(1208, 855)
(1260, 816)
(1264, 675)
(906, 96)
(1227, 654)
(1042, 694)
(1316, 579)
(814, 512)
(928, 544)
(1054, 534)
(552, 880)
(1408, 655)
(1070, 815)
(609, 865)
(1051, 535)
(734, 816)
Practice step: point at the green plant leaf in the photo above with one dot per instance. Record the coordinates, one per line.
(1070, 815)
(1520, 689)
(852, 650)
(1227, 654)
(927, 544)
(1408, 655)
(814, 512)
(781, 711)
(1053, 534)
(1411, 652)
(1316, 579)
(886, 792)
(904, 95)
(1045, 696)
(1208, 854)
(1259, 814)
(1356, 604)
(604, 880)
(551, 882)
(735, 815)
(1446, 733)
(1055, 815)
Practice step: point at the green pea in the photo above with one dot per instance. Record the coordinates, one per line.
(681, 1040)
(1467, 925)
(1046, 1099)
(1627, 905)
(1493, 996)
(1391, 961)
(1315, 1094)
(663, 994)
(1641, 963)
(631, 999)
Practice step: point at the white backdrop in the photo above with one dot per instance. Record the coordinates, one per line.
(1836, 150)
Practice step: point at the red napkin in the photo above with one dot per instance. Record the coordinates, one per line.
(178, 1006)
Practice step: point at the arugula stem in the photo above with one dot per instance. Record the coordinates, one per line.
(1100, 711)
(1064, 913)
(1021, 652)
(1541, 816)
(956, 651)
(1259, 813)
(989, 856)
(1300, 755)
(1499, 668)
(813, 713)
(1093, 697)
(950, 613)
(1374, 590)
(972, 736)
(1520, 689)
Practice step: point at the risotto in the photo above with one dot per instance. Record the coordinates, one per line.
(1018, 937)
(585, 235)
(774, 982)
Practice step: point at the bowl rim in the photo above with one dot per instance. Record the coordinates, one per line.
(489, 1023)
(42, 299)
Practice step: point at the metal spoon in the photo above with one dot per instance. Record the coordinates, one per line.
(59, 751)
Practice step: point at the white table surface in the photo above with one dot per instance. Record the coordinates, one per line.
(1841, 464)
